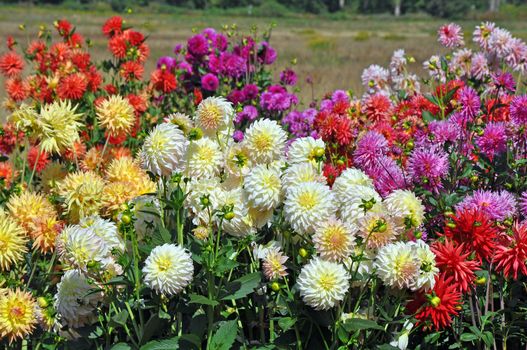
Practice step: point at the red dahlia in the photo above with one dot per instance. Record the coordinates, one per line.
(163, 80)
(11, 64)
(132, 70)
(113, 25)
(452, 262)
(438, 306)
(378, 108)
(118, 46)
(38, 158)
(511, 258)
(17, 89)
(72, 87)
(475, 230)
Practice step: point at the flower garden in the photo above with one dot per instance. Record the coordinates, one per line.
(200, 206)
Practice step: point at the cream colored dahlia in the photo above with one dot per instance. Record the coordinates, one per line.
(273, 264)
(305, 149)
(377, 229)
(357, 202)
(214, 114)
(241, 224)
(75, 302)
(322, 283)
(168, 269)
(427, 265)
(18, 314)
(405, 208)
(180, 120)
(147, 213)
(306, 204)
(116, 115)
(164, 150)
(24, 118)
(198, 191)
(397, 266)
(346, 182)
(57, 126)
(237, 160)
(334, 240)
(300, 173)
(263, 187)
(78, 247)
(106, 230)
(13, 242)
(204, 159)
(265, 140)
(82, 193)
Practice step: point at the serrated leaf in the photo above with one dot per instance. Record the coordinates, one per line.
(286, 323)
(120, 318)
(224, 337)
(200, 299)
(165, 344)
(241, 287)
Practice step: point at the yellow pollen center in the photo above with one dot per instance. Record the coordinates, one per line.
(307, 200)
(327, 282)
(210, 117)
(164, 264)
(263, 141)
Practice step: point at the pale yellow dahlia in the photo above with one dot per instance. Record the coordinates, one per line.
(123, 169)
(116, 114)
(82, 193)
(164, 150)
(13, 242)
(77, 247)
(28, 206)
(397, 266)
(405, 208)
(334, 240)
(18, 314)
(242, 223)
(181, 120)
(306, 204)
(168, 269)
(273, 264)
(345, 183)
(357, 202)
(265, 139)
(204, 159)
(263, 187)
(322, 283)
(214, 114)
(116, 194)
(75, 301)
(24, 118)
(105, 230)
(147, 213)
(57, 126)
(198, 191)
(427, 265)
(305, 149)
(44, 232)
(300, 173)
(237, 160)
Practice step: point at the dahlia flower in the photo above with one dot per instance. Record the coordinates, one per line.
(116, 114)
(334, 240)
(377, 228)
(496, 205)
(241, 224)
(28, 206)
(347, 179)
(77, 247)
(204, 158)
(168, 269)
(511, 258)
(322, 283)
(300, 173)
(357, 202)
(453, 262)
(214, 114)
(427, 265)
(18, 314)
(405, 207)
(106, 230)
(263, 186)
(82, 194)
(273, 264)
(305, 149)
(428, 166)
(265, 140)
(164, 150)
(397, 266)
(306, 203)
(451, 35)
(57, 126)
(13, 241)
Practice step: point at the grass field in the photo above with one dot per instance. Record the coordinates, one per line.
(332, 51)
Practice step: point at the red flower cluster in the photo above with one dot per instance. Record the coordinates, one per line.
(511, 257)
(453, 262)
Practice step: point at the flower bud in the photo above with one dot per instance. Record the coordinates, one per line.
(42, 302)
(275, 286)
(435, 301)
(302, 252)
(481, 280)
(126, 219)
(229, 215)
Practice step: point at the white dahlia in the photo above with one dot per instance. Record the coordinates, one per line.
(147, 214)
(357, 201)
(265, 139)
(322, 283)
(164, 150)
(397, 266)
(104, 229)
(199, 190)
(306, 204)
(305, 149)
(214, 114)
(427, 265)
(78, 246)
(300, 173)
(168, 269)
(242, 223)
(74, 302)
(204, 158)
(263, 187)
(334, 240)
(237, 160)
(406, 209)
(346, 182)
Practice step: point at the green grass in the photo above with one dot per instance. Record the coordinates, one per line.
(332, 50)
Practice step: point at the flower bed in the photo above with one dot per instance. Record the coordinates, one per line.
(201, 208)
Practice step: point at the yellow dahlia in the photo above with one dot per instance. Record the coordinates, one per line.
(44, 232)
(116, 114)
(237, 160)
(406, 208)
(57, 126)
(115, 194)
(204, 158)
(265, 140)
(214, 114)
(28, 206)
(181, 120)
(82, 192)
(18, 314)
(334, 240)
(305, 149)
(322, 283)
(24, 118)
(264, 187)
(12, 242)
(300, 173)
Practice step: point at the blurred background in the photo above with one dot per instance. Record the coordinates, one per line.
(327, 42)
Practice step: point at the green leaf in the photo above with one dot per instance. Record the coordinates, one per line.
(427, 116)
(241, 287)
(286, 323)
(165, 344)
(387, 347)
(432, 99)
(488, 338)
(121, 346)
(355, 324)
(468, 337)
(120, 318)
(224, 337)
(200, 299)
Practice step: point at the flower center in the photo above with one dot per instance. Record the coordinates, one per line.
(307, 200)
(210, 117)
(327, 282)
